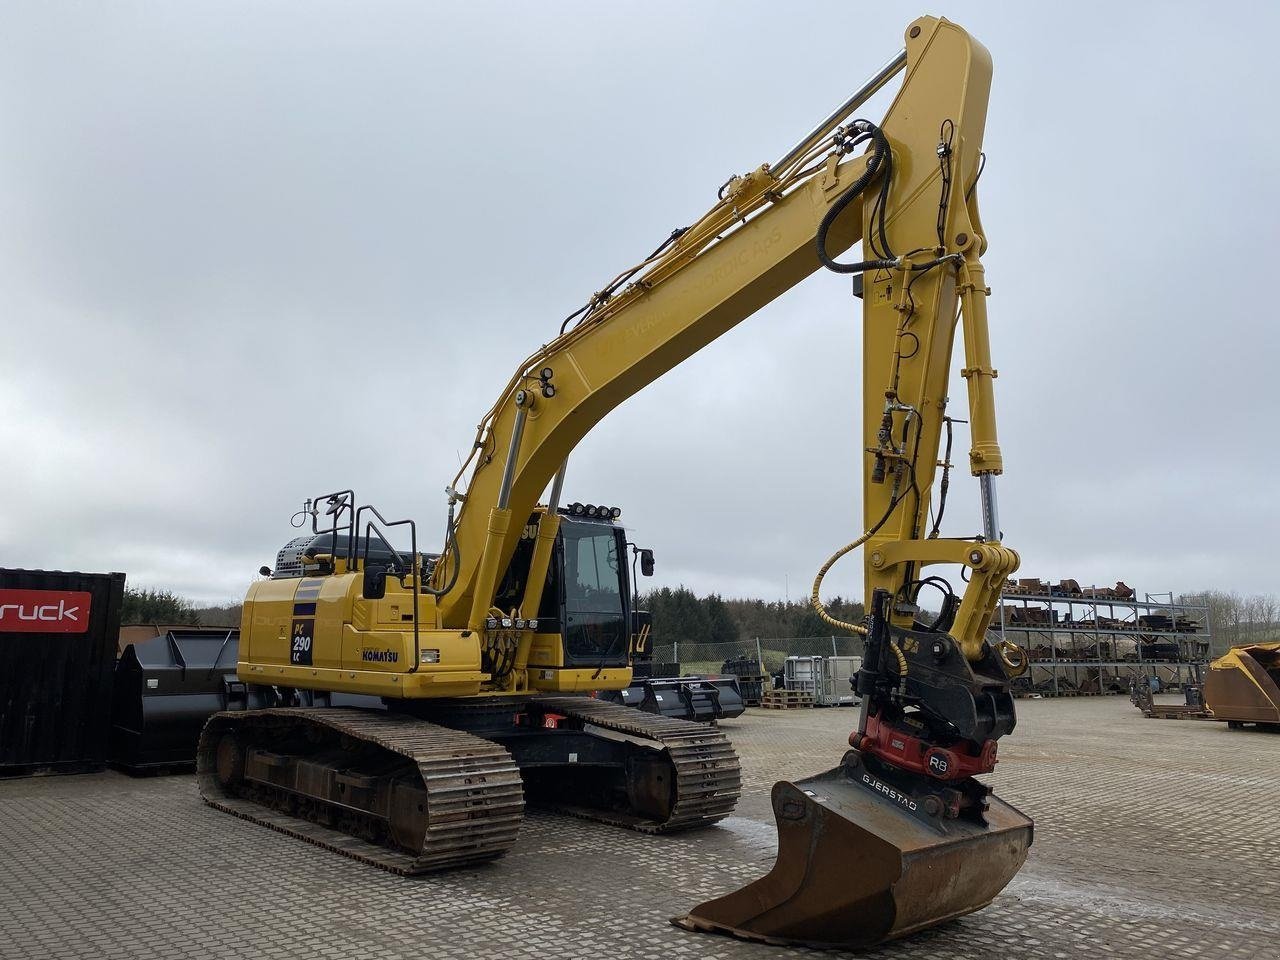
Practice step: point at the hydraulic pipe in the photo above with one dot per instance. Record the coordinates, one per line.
(499, 522)
(513, 451)
(557, 488)
(842, 112)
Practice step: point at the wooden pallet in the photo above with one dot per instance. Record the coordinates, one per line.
(786, 699)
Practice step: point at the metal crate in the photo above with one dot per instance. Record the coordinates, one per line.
(826, 679)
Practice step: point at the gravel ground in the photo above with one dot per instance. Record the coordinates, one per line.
(1154, 839)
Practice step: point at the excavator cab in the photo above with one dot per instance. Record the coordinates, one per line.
(587, 596)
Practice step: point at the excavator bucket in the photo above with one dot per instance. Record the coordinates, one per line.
(857, 867)
(1243, 686)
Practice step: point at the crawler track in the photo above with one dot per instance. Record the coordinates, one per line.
(474, 799)
(708, 777)
(292, 765)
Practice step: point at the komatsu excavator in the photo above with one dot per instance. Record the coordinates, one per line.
(399, 706)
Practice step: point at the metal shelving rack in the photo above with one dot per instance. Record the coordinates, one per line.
(1072, 654)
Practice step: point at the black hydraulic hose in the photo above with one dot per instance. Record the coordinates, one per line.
(879, 159)
(605, 294)
(451, 536)
(946, 481)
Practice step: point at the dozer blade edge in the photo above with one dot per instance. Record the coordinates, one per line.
(857, 867)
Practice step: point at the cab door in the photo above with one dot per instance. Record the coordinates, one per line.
(594, 588)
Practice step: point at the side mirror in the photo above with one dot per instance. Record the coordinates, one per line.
(264, 571)
(646, 563)
(375, 581)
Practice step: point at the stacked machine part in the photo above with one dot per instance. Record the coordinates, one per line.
(1242, 687)
(752, 678)
(1093, 640)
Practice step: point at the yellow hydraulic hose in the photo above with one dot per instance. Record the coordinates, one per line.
(902, 666)
(817, 585)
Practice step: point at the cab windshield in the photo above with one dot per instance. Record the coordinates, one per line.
(593, 592)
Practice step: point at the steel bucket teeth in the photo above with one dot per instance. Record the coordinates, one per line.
(855, 868)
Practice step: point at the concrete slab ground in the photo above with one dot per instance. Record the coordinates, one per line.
(1156, 839)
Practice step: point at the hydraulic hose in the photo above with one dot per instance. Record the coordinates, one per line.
(814, 599)
(817, 585)
(902, 666)
(879, 161)
(451, 546)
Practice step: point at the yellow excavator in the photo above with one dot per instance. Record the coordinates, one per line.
(400, 707)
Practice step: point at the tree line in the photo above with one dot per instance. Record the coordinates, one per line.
(682, 616)
(144, 605)
(679, 615)
(1238, 619)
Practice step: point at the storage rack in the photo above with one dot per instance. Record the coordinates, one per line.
(1073, 653)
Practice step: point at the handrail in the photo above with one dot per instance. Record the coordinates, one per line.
(416, 568)
(345, 501)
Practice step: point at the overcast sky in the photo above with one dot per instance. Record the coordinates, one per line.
(255, 251)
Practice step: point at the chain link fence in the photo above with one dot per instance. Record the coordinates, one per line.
(709, 658)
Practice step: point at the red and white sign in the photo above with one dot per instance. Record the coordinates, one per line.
(44, 611)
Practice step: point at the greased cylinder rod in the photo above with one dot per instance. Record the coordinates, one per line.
(513, 451)
(990, 508)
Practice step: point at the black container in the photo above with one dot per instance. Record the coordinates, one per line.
(165, 689)
(57, 651)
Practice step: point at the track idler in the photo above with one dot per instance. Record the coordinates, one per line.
(861, 862)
